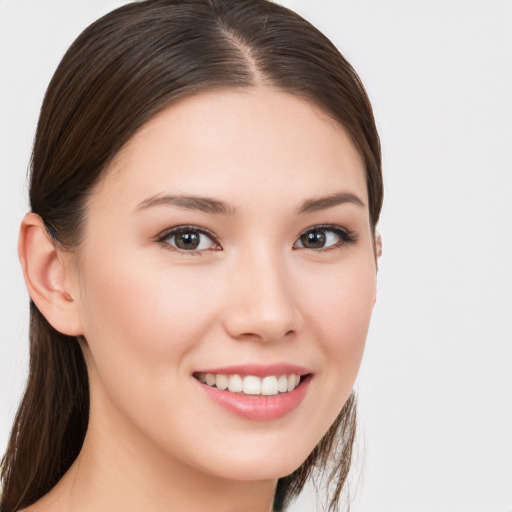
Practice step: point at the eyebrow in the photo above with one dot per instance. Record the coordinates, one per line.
(203, 204)
(323, 203)
(217, 207)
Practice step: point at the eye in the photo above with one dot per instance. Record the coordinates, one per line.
(324, 237)
(189, 239)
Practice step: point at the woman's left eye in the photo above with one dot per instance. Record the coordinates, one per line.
(189, 239)
(324, 237)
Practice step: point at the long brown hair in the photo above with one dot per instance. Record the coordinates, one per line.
(121, 71)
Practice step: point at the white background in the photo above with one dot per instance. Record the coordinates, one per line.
(435, 388)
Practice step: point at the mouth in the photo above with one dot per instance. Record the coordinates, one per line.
(253, 385)
(256, 393)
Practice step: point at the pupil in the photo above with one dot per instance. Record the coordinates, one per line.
(187, 240)
(313, 239)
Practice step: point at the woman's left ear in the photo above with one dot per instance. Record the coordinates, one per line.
(378, 245)
(49, 275)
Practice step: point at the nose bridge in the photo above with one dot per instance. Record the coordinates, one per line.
(262, 302)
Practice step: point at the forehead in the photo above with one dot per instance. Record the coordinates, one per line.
(254, 143)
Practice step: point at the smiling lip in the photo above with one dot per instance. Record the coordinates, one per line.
(258, 407)
(259, 370)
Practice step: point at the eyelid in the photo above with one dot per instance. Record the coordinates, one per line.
(185, 227)
(347, 236)
(169, 232)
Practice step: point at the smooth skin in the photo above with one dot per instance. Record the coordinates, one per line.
(151, 313)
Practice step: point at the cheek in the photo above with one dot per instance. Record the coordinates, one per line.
(137, 315)
(340, 301)
(339, 316)
(143, 324)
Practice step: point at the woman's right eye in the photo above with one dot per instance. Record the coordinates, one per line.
(189, 239)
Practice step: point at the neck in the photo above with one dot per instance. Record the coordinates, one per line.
(119, 469)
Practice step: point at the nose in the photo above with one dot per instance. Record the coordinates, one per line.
(261, 301)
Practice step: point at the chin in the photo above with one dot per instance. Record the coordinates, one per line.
(259, 458)
(257, 470)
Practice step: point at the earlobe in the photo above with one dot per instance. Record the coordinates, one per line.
(47, 276)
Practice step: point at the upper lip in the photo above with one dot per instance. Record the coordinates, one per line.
(258, 370)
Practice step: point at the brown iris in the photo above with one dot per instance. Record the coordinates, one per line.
(187, 240)
(313, 239)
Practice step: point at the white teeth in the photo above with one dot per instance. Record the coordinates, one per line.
(250, 384)
(291, 382)
(221, 381)
(235, 384)
(282, 384)
(269, 386)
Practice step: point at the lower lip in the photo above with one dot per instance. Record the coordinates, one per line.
(258, 407)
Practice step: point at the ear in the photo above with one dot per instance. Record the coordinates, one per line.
(49, 276)
(378, 246)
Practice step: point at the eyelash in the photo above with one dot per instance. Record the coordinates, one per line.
(166, 235)
(346, 237)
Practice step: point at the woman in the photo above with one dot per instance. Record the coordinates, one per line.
(201, 259)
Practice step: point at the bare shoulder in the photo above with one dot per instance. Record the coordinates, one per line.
(57, 499)
(38, 506)
(41, 506)
(51, 502)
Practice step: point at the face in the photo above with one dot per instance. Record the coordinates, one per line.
(230, 243)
